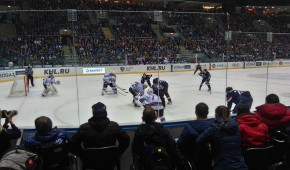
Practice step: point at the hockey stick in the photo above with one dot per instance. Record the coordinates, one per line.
(120, 87)
(123, 90)
(121, 93)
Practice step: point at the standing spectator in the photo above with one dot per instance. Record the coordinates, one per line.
(236, 97)
(200, 156)
(7, 134)
(154, 134)
(254, 133)
(224, 137)
(273, 113)
(45, 135)
(29, 73)
(98, 132)
(198, 67)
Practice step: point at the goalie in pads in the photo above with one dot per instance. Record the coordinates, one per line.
(48, 84)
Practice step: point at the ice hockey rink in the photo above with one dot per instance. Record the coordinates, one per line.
(72, 106)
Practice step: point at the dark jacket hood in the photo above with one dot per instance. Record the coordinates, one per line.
(150, 132)
(99, 123)
(249, 119)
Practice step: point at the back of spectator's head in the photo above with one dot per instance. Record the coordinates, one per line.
(43, 124)
(272, 98)
(243, 108)
(222, 113)
(149, 115)
(201, 110)
(99, 110)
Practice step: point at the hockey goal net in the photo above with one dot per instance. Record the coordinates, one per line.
(20, 86)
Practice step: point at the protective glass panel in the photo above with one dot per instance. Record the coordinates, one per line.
(278, 81)
(79, 47)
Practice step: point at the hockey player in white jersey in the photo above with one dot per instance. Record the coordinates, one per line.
(109, 80)
(137, 90)
(154, 101)
(49, 85)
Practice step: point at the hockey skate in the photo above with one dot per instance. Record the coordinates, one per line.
(209, 90)
(103, 92)
(162, 119)
(169, 102)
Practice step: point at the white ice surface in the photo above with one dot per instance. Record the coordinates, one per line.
(72, 106)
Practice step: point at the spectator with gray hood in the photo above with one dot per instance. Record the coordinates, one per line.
(98, 132)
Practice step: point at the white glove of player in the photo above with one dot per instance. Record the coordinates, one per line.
(137, 97)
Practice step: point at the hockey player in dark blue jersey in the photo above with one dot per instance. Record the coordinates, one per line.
(162, 86)
(205, 79)
(236, 97)
(146, 78)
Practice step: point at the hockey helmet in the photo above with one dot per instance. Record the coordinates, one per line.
(113, 78)
(205, 69)
(150, 91)
(145, 85)
(229, 89)
(155, 81)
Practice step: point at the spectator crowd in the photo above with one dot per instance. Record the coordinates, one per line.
(39, 41)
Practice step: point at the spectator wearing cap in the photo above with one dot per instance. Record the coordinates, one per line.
(98, 132)
(273, 113)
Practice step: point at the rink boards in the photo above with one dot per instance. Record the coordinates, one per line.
(85, 70)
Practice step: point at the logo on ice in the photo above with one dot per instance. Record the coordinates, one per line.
(149, 68)
(56, 71)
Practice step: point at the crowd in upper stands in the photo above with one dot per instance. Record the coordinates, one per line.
(39, 41)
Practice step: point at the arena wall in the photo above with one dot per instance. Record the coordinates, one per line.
(9, 74)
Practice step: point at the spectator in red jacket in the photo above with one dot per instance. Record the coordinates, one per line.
(274, 114)
(254, 133)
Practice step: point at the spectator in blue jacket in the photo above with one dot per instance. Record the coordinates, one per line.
(45, 134)
(225, 140)
(200, 156)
